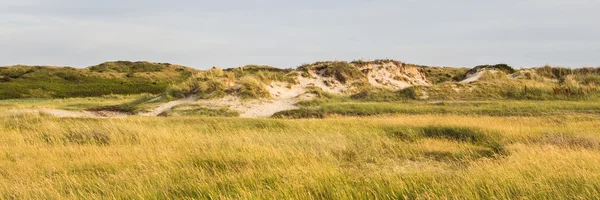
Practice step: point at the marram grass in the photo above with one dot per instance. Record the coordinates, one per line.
(394, 157)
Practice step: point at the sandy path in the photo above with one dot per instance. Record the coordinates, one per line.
(267, 109)
(169, 106)
(252, 108)
(284, 97)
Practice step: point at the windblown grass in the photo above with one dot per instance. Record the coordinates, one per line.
(403, 157)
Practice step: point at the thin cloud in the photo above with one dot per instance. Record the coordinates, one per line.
(202, 34)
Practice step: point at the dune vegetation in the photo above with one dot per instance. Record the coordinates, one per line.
(329, 130)
(406, 156)
(121, 77)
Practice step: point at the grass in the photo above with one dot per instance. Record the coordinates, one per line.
(202, 88)
(129, 67)
(439, 75)
(69, 103)
(265, 74)
(124, 77)
(199, 110)
(138, 105)
(493, 139)
(425, 156)
(560, 72)
(251, 88)
(500, 67)
(345, 107)
(344, 72)
(105, 79)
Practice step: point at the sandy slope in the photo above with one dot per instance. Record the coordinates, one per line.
(284, 97)
(473, 77)
(316, 79)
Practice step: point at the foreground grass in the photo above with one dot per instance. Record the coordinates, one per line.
(404, 156)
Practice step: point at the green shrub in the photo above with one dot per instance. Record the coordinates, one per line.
(501, 67)
(129, 67)
(444, 74)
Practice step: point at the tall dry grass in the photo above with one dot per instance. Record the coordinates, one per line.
(394, 157)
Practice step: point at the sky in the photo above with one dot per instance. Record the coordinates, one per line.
(286, 33)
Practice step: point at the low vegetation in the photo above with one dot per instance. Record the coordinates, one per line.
(129, 67)
(251, 88)
(105, 79)
(132, 107)
(201, 88)
(344, 72)
(266, 74)
(199, 110)
(348, 107)
(439, 75)
(449, 156)
(124, 77)
(500, 67)
(525, 134)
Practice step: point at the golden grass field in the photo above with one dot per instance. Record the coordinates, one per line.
(424, 156)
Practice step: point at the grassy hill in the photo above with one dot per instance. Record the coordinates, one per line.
(379, 80)
(121, 77)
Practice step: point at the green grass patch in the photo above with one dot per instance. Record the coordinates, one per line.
(500, 67)
(199, 110)
(323, 109)
(475, 136)
(64, 82)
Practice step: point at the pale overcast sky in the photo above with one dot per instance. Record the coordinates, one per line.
(285, 33)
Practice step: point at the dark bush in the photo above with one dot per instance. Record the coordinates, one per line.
(129, 67)
(501, 67)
